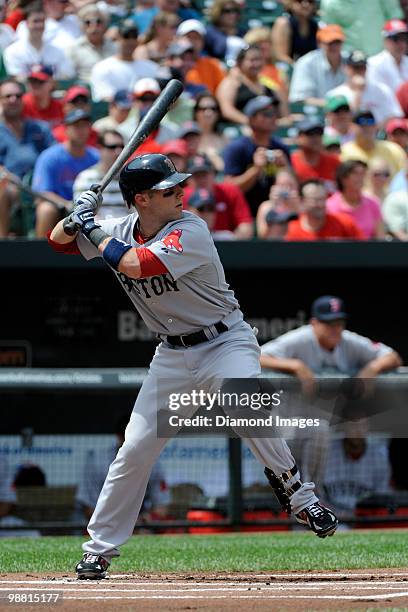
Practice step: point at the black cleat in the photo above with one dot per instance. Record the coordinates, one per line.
(92, 567)
(319, 519)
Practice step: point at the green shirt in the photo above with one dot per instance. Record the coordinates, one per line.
(361, 20)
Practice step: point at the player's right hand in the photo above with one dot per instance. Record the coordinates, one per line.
(89, 198)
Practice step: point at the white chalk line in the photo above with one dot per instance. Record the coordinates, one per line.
(249, 596)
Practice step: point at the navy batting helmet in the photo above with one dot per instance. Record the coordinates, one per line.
(150, 171)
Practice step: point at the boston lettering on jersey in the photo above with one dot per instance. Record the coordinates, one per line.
(156, 285)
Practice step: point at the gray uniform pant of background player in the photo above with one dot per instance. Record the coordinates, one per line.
(233, 354)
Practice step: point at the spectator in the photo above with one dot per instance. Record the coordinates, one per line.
(252, 162)
(118, 117)
(33, 49)
(367, 147)
(29, 475)
(144, 18)
(395, 211)
(362, 91)
(16, 12)
(7, 34)
(21, 141)
(311, 160)
(176, 150)
(351, 200)
(212, 142)
(277, 223)
(76, 97)
(110, 145)
(224, 35)
(61, 29)
(402, 97)
(38, 102)
(271, 75)
(158, 38)
(397, 131)
(93, 46)
(180, 60)
(190, 133)
(294, 34)
(357, 466)
(332, 144)
(319, 71)
(145, 93)
(57, 168)
(390, 66)
(120, 71)
(202, 203)
(205, 71)
(339, 119)
(242, 84)
(232, 210)
(378, 180)
(96, 468)
(283, 198)
(316, 222)
(353, 17)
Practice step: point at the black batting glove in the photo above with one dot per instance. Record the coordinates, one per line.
(81, 219)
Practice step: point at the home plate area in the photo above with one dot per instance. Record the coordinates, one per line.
(340, 590)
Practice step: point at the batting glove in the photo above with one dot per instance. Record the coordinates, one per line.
(91, 198)
(81, 219)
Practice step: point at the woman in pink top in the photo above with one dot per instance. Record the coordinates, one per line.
(349, 199)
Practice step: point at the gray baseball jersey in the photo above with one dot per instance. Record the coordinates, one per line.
(350, 355)
(193, 295)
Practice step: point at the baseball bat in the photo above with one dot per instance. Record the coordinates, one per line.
(148, 124)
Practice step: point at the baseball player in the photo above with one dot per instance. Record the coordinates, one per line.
(166, 261)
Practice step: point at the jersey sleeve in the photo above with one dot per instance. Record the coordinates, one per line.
(185, 247)
(365, 350)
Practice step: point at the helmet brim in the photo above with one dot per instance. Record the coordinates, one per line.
(171, 181)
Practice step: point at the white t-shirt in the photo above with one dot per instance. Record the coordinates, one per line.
(377, 98)
(382, 68)
(193, 295)
(351, 354)
(113, 205)
(113, 74)
(7, 35)
(61, 33)
(21, 56)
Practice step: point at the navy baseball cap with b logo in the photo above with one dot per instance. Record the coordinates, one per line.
(328, 308)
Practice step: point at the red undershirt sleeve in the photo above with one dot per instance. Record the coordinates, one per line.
(69, 248)
(150, 264)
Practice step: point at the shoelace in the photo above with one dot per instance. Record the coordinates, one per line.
(315, 510)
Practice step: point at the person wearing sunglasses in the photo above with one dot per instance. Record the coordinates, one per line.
(93, 46)
(294, 34)
(224, 31)
(110, 145)
(76, 97)
(361, 20)
(378, 175)
(207, 115)
(390, 66)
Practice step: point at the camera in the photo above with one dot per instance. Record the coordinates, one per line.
(270, 155)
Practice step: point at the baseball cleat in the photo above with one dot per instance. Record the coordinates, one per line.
(92, 567)
(319, 519)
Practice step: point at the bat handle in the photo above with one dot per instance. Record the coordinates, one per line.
(71, 228)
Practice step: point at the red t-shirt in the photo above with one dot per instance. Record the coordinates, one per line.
(60, 135)
(325, 169)
(230, 205)
(336, 226)
(14, 17)
(53, 113)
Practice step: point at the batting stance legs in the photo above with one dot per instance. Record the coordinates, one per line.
(234, 353)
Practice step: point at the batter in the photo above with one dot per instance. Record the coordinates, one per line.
(166, 261)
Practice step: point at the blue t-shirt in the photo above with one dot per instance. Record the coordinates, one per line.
(145, 18)
(238, 157)
(19, 156)
(56, 169)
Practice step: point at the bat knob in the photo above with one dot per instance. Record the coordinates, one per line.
(95, 187)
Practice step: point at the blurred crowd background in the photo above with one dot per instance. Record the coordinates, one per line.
(292, 120)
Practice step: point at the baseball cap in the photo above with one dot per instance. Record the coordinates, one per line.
(334, 103)
(364, 117)
(328, 308)
(123, 99)
(41, 73)
(330, 140)
(76, 115)
(191, 25)
(178, 48)
(259, 103)
(201, 198)
(279, 217)
(310, 124)
(189, 127)
(177, 146)
(199, 163)
(392, 27)
(396, 124)
(330, 33)
(146, 85)
(356, 58)
(75, 91)
(128, 29)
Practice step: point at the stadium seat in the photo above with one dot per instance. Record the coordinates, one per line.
(40, 504)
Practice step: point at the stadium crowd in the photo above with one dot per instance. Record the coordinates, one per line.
(293, 120)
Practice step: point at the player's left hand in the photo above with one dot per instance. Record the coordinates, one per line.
(82, 219)
(93, 199)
